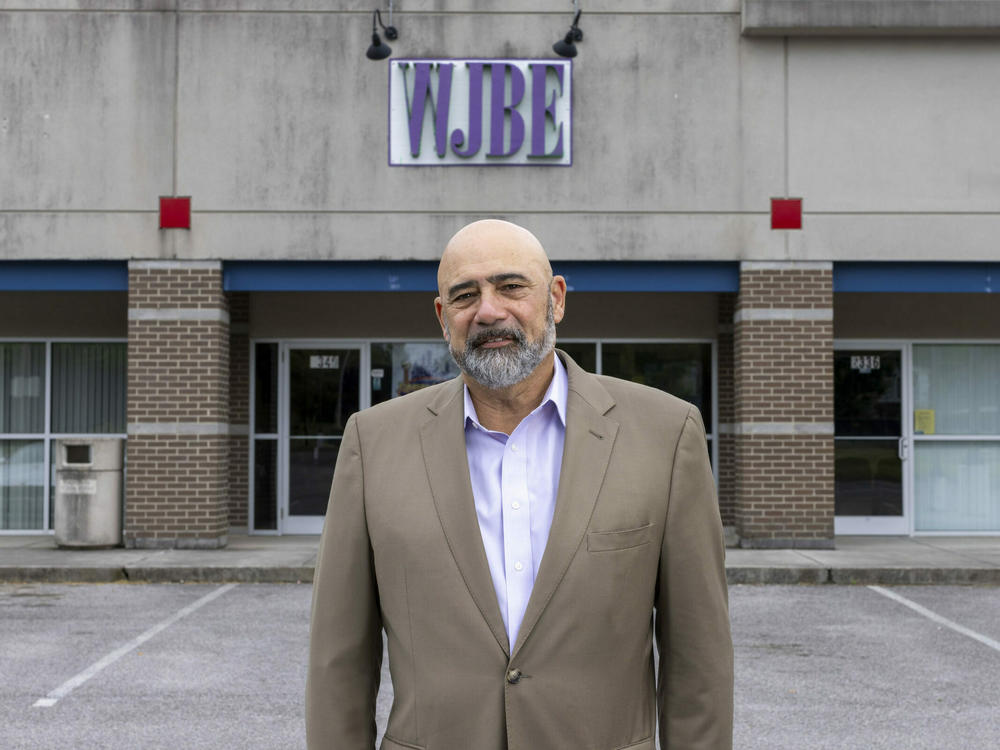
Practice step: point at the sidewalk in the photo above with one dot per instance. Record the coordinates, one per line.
(291, 559)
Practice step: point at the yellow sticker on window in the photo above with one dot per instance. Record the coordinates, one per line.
(923, 421)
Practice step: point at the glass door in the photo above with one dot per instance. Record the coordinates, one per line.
(871, 439)
(323, 387)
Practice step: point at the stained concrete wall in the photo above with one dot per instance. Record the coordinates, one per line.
(271, 118)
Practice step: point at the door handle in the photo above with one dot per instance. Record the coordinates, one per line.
(902, 449)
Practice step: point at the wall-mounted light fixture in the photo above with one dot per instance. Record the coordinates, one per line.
(566, 47)
(379, 50)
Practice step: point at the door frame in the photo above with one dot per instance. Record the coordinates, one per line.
(888, 525)
(288, 524)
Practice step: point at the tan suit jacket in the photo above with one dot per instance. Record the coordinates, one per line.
(636, 530)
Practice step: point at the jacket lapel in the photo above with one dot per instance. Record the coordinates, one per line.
(590, 437)
(442, 439)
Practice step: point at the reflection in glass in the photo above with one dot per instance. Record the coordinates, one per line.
(398, 369)
(584, 354)
(325, 390)
(88, 388)
(22, 484)
(868, 478)
(22, 388)
(266, 388)
(310, 465)
(957, 486)
(685, 370)
(867, 394)
(960, 384)
(265, 484)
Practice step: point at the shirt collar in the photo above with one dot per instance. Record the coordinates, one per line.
(556, 393)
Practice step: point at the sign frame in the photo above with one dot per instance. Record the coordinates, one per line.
(524, 108)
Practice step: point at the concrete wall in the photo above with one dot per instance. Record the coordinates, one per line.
(272, 119)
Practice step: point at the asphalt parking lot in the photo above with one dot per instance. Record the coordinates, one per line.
(207, 666)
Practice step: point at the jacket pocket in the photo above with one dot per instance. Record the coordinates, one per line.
(388, 743)
(646, 744)
(609, 541)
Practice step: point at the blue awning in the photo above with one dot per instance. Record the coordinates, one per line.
(421, 276)
(63, 276)
(859, 276)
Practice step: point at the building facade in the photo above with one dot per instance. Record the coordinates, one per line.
(219, 222)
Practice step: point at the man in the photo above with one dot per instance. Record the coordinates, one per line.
(514, 531)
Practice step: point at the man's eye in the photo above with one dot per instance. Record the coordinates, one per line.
(512, 287)
(463, 297)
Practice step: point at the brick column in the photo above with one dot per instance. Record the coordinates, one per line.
(726, 411)
(178, 405)
(783, 383)
(239, 408)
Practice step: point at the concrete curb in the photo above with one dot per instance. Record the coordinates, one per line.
(774, 575)
(864, 576)
(193, 574)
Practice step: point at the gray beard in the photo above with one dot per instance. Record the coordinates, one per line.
(501, 368)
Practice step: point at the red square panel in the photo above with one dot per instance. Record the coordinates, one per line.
(786, 213)
(175, 213)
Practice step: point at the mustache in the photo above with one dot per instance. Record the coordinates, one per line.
(492, 333)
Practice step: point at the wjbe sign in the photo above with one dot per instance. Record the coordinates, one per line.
(480, 112)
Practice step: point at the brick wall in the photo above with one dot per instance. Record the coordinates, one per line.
(783, 408)
(239, 407)
(178, 405)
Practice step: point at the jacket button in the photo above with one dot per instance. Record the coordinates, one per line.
(514, 676)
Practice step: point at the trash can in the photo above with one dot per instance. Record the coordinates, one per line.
(88, 497)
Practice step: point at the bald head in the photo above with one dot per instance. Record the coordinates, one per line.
(499, 302)
(492, 241)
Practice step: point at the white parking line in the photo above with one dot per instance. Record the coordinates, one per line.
(74, 682)
(995, 645)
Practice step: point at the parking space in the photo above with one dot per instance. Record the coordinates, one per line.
(817, 666)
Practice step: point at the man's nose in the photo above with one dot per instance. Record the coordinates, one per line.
(491, 309)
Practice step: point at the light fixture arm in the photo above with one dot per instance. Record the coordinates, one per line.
(574, 30)
(390, 30)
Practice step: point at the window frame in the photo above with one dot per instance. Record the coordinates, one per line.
(47, 436)
(282, 343)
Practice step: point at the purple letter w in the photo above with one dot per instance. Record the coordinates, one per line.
(422, 95)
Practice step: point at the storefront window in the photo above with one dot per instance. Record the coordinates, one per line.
(22, 417)
(22, 484)
(679, 368)
(584, 355)
(957, 387)
(957, 486)
(265, 437)
(88, 388)
(22, 388)
(685, 370)
(86, 396)
(265, 485)
(266, 388)
(956, 421)
(297, 425)
(401, 368)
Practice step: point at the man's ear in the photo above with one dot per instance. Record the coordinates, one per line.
(439, 312)
(558, 291)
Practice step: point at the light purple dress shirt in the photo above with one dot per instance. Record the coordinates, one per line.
(515, 479)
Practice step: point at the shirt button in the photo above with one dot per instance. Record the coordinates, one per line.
(518, 566)
(514, 676)
(515, 505)
(513, 447)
